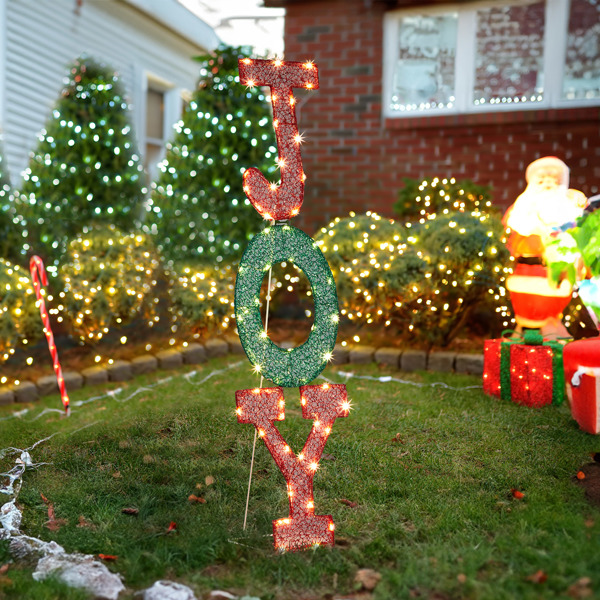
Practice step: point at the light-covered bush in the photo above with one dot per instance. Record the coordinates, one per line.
(201, 298)
(422, 197)
(198, 210)
(422, 280)
(20, 321)
(110, 279)
(86, 168)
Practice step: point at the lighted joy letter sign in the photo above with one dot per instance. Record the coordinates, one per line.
(293, 367)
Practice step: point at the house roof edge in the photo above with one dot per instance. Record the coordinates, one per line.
(179, 19)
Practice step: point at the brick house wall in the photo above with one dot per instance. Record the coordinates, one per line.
(355, 160)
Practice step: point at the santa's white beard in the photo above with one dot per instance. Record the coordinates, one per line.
(538, 211)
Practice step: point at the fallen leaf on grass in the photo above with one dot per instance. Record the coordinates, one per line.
(117, 474)
(589, 523)
(209, 480)
(580, 589)
(517, 494)
(83, 522)
(53, 524)
(130, 511)
(367, 579)
(107, 557)
(148, 459)
(537, 577)
(461, 578)
(410, 527)
(397, 439)
(348, 503)
(172, 527)
(580, 475)
(4, 568)
(198, 499)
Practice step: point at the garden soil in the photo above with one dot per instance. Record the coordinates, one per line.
(591, 482)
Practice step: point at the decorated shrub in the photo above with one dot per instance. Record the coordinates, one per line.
(201, 298)
(420, 198)
(198, 207)
(425, 279)
(86, 168)
(19, 316)
(109, 280)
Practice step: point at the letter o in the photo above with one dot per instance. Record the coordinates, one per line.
(297, 366)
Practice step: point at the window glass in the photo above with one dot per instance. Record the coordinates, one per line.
(582, 67)
(155, 114)
(424, 74)
(509, 54)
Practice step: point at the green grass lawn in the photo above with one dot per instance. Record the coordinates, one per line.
(430, 469)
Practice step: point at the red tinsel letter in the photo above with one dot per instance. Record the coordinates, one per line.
(283, 202)
(322, 403)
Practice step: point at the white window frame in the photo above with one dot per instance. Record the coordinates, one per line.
(555, 43)
(173, 103)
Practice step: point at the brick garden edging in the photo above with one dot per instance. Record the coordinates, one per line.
(173, 358)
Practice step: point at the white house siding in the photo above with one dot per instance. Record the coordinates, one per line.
(41, 38)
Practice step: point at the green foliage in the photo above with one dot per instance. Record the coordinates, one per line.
(562, 255)
(199, 209)
(431, 470)
(423, 280)
(20, 320)
(575, 254)
(419, 198)
(587, 237)
(86, 168)
(201, 297)
(109, 280)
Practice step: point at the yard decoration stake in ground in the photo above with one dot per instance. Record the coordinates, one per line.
(38, 273)
(298, 366)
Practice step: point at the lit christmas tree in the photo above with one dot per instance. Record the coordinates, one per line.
(11, 229)
(198, 202)
(86, 167)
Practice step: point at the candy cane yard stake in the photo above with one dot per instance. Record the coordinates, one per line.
(38, 272)
(293, 367)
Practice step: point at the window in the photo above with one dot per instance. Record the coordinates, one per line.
(155, 130)
(487, 56)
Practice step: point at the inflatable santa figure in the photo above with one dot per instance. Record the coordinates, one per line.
(546, 204)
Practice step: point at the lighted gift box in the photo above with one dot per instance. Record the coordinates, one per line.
(491, 367)
(526, 370)
(582, 376)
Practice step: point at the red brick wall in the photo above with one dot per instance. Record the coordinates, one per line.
(354, 160)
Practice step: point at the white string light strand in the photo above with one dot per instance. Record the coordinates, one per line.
(388, 378)
(116, 391)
